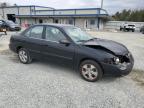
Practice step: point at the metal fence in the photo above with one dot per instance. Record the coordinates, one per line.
(116, 25)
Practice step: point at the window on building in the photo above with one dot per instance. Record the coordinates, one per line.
(35, 32)
(92, 22)
(56, 21)
(32, 10)
(71, 21)
(54, 34)
(40, 21)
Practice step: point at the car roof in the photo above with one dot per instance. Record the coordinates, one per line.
(56, 25)
(6, 20)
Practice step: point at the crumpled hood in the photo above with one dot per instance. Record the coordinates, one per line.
(115, 47)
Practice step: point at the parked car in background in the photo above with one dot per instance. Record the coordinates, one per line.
(127, 27)
(142, 29)
(9, 25)
(91, 57)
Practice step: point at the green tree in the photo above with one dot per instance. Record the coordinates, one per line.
(130, 15)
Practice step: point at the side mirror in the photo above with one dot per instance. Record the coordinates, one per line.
(64, 41)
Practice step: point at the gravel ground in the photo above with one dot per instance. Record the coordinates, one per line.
(47, 85)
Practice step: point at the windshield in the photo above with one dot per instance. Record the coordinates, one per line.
(131, 25)
(77, 35)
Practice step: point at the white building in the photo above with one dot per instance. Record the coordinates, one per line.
(87, 18)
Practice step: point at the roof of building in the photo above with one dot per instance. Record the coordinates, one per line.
(27, 6)
(78, 15)
(81, 12)
(43, 11)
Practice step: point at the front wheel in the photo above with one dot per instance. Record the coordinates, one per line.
(24, 56)
(8, 28)
(90, 70)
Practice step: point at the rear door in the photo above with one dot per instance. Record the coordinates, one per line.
(33, 39)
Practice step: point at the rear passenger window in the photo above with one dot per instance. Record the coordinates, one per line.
(35, 32)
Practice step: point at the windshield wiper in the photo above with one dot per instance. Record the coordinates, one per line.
(92, 39)
(81, 40)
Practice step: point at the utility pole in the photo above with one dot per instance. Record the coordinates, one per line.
(102, 4)
(100, 13)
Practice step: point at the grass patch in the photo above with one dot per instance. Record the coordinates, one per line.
(138, 76)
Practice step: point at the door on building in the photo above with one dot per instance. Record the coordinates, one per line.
(11, 17)
(56, 21)
(86, 24)
(71, 21)
(40, 21)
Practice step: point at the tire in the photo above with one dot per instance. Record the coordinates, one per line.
(8, 29)
(133, 30)
(24, 56)
(90, 71)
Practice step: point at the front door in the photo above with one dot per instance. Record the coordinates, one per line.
(54, 50)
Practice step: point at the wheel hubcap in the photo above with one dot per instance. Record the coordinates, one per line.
(89, 71)
(23, 56)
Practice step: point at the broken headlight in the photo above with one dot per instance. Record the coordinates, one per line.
(114, 60)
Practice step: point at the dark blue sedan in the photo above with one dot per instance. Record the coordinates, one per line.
(91, 57)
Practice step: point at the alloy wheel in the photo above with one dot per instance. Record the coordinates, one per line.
(89, 71)
(23, 56)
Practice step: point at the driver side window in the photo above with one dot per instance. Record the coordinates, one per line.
(54, 34)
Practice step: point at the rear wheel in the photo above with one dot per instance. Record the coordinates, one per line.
(90, 70)
(24, 56)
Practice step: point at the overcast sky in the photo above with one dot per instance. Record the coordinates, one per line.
(111, 5)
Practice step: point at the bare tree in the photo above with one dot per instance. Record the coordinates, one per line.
(15, 4)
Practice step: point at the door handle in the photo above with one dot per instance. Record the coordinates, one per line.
(44, 45)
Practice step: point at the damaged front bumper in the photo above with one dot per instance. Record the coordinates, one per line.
(121, 69)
